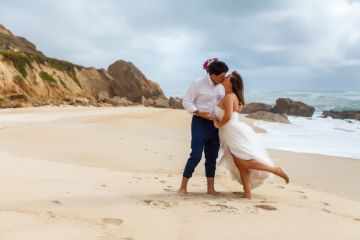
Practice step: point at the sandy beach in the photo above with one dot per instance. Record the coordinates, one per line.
(112, 173)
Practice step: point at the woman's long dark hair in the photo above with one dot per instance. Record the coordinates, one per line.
(237, 86)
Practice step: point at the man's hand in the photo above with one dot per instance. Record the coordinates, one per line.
(240, 107)
(204, 115)
(216, 123)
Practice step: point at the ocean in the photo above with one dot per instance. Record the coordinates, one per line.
(317, 135)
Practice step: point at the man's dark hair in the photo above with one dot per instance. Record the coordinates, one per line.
(217, 68)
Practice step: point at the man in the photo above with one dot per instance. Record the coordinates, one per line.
(201, 100)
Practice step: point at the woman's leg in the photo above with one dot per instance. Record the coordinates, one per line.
(256, 165)
(245, 179)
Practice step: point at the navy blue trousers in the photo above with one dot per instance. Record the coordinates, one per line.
(204, 138)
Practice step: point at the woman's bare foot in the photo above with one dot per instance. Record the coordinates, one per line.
(282, 174)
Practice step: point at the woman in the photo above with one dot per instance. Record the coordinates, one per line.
(244, 155)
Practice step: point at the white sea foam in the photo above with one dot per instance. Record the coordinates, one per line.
(317, 135)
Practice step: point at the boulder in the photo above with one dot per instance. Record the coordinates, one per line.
(347, 114)
(295, 108)
(117, 101)
(256, 107)
(175, 103)
(161, 102)
(102, 96)
(13, 100)
(82, 101)
(270, 117)
(131, 83)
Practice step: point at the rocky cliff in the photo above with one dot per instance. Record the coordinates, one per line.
(29, 78)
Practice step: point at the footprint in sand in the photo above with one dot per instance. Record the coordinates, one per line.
(159, 203)
(357, 219)
(266, 207)
(297, 191)
(266, 201)
(281, 187)
(56, 202)
(325, 203)
(170, 175)
(326, 210)
(112, 221)
(303, 196)
(111, 225)
(251, 210)
(220, 207)
(162, 181)
(103, 185)
(50, 214)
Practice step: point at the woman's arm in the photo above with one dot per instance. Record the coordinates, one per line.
(228, 105)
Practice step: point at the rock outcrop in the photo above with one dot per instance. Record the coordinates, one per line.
(256, 107)
(290, 107)
(268, 116)
(41, 80)
(348, 114)
(131, 83)
(175, 103)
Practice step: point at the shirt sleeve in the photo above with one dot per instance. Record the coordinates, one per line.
(189, 98)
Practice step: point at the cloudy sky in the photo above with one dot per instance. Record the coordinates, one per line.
(275, 44)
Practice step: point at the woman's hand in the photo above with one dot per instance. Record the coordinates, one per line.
(216, 123)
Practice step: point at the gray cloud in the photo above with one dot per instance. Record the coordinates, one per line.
(307, 45)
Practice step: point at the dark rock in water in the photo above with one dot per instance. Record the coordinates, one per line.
(348, 114)
(290, 107)
(256, 107)
(270, 117)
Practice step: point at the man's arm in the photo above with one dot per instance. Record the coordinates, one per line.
(189, 102)
(189, 98)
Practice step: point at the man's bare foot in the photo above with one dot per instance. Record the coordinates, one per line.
(283, 175)
(246, 196)
(182, 192)
(213, 192)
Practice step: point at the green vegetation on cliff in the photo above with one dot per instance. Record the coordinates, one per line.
(64, 66)
(19, 59)
(47, 77)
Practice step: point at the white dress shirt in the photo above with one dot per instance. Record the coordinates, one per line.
(203, 95)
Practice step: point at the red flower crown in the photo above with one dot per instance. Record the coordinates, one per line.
(208, 62)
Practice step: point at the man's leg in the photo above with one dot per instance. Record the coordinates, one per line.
(211, 150)
(198, 139)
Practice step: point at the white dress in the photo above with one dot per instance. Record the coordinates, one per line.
(240, 140)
